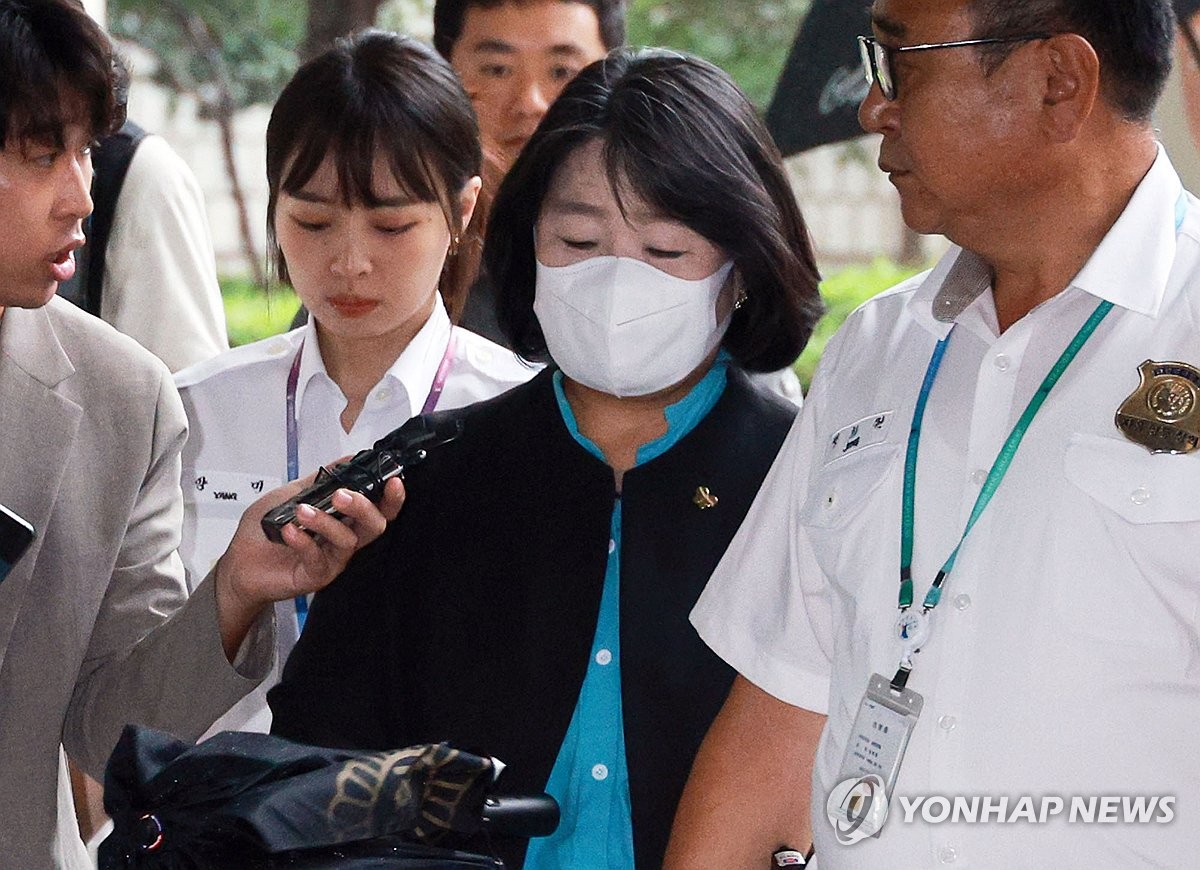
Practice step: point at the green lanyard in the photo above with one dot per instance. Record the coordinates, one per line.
(998, 470)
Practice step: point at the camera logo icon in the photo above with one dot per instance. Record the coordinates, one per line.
(857, 808)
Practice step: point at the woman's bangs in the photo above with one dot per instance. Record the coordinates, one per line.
(354, 161)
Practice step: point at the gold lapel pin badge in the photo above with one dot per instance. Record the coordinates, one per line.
(704, 499)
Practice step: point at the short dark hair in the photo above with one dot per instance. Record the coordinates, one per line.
(374, 91)
(448, 18)
(57, 67)
(1133, 39)
(680, 134)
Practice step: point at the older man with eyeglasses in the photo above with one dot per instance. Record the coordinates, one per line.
(963, 608)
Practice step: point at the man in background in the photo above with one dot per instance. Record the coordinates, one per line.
(514, 58)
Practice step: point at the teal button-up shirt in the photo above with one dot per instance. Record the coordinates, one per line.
(590, 779)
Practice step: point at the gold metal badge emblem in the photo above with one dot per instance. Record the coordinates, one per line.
(1163, 413)
(704, 499)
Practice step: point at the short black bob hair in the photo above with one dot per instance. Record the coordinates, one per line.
(374, 92)
(448, 18)
(680, 134)
(57, 67)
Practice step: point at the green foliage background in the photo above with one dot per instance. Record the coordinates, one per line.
(252, 313)
(750, 40)
(257, 40)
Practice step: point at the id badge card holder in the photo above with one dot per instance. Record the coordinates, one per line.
(885, 722)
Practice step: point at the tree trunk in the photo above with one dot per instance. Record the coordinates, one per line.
(328, 20)
(222, 109)
(225, 121)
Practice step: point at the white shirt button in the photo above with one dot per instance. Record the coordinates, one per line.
(947, 723)
(603, 657)
(1140, 496)
(1002, 362)
(383, 394)
(481, 357)
(831, 499)
(612, 545)
(599, 772)
(962, 602)
(947, 854)
(277, 347)
(978, 476)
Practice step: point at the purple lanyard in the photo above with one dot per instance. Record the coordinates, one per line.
(293, 382)
(293, 429)
(443, 371)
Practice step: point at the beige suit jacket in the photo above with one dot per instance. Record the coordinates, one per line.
(94, 631)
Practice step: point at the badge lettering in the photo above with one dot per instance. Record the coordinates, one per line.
(226, 492)
(858, 435)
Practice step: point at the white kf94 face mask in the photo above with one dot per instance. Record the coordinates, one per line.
(623, 327)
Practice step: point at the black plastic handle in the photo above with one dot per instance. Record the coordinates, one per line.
(521, 815)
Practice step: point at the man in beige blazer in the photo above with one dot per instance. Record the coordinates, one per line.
(94, 631)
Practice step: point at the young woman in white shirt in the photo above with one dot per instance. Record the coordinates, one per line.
(373, 163)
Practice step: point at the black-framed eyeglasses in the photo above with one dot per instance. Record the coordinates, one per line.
(877, 57)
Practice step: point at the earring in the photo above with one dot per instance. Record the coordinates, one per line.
(741, 298)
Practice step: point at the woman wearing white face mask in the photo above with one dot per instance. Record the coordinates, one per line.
(647, 239)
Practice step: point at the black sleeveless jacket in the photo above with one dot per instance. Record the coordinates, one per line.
(472, 618)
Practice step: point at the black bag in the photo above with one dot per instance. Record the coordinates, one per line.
(258, 801)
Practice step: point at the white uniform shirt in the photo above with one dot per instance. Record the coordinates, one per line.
(1065, 658)
(237, 443)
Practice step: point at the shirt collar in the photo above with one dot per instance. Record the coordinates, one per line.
(414, 369)
(682, 416)
(1147, 226)
(950, 287)
(1131, 266)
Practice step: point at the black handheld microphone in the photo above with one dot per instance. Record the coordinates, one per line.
(367, 471)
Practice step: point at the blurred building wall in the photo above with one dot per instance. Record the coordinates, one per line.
(1170, 120)
(852, 210)
(97, 9)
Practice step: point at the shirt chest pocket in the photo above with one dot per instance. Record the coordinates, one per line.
(1132, 538)
(849, 516)
(1140, 487)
